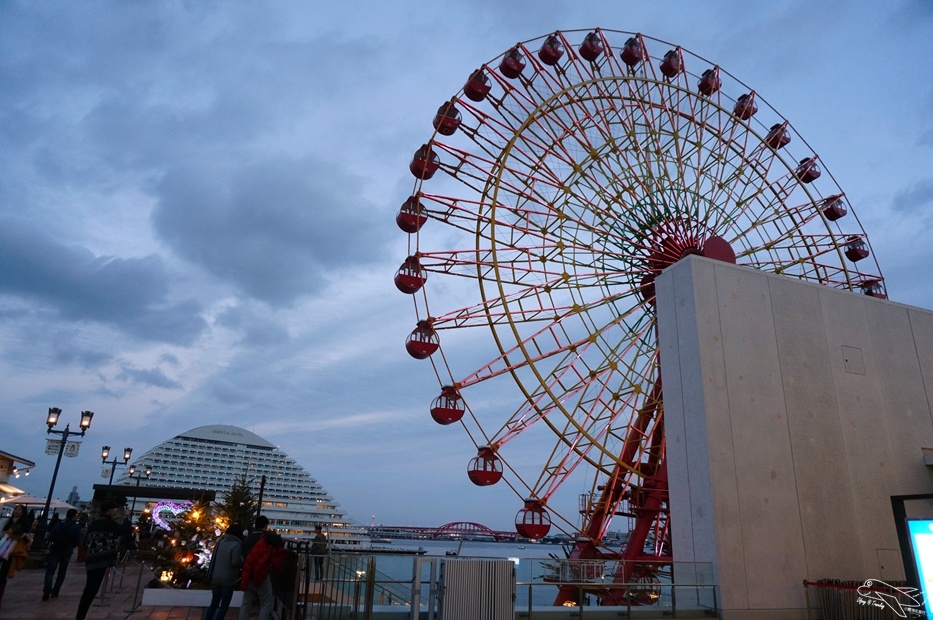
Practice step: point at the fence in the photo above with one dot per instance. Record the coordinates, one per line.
(862, 600)
(354, 587)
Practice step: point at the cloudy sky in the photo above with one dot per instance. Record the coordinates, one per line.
(197, 205)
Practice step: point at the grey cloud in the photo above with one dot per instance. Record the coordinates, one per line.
(168, 358)
(258, 326)
(918, 197)
(127, 294)
(276, 229)
(149, 376)
(86, 358)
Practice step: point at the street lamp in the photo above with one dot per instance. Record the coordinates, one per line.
(51, 421)
(132, 473)
(105, 452)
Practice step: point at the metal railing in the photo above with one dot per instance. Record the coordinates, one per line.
(353, 587)
(862, 600)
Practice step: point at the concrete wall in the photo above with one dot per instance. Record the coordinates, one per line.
(793, 413)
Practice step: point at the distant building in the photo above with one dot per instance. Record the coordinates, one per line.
(74, 498)
(212, 457)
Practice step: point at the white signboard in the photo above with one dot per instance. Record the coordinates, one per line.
(71, 447)
(105, 472)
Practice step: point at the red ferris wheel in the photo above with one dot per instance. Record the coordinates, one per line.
(563, 177)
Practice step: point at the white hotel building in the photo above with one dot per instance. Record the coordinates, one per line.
(212, 457)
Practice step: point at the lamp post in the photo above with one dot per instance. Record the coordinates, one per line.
(132, 473)
(51, 421)
(105, 452)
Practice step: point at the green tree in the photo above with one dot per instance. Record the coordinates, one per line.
(182, 558)
(238, 504)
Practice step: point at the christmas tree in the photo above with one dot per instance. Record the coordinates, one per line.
(238, 504)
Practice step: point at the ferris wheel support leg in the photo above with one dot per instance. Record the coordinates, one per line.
(650, 512)
(653, 507)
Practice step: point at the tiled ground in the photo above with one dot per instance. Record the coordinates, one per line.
(118, 599)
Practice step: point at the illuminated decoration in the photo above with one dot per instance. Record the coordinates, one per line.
(166, 506)
(204, 553)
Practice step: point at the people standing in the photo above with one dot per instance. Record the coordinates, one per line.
(318, 551)
(52, 523)
(103, 544)
(19, 527)
(63, 538)
(224, 571)
(259, 528)
(265, 558)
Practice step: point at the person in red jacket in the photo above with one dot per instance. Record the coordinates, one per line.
(265, 558)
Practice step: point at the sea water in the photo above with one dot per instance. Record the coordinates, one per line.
(527, 557)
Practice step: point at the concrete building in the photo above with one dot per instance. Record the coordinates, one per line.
(212, 457)
(798, 418)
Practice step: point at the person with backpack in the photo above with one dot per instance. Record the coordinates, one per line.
(224, 571)
(63, 538)
(103, 543)
(265, 558)
(259, 529)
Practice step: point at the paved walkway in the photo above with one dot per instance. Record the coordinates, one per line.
(118, 600)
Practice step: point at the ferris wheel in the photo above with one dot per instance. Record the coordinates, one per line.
(562, 178)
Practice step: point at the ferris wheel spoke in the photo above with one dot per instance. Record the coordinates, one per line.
(545, 344)
(588, 423)
(732, 179)
(745, 202)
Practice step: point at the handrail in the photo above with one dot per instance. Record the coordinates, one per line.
(352, 581)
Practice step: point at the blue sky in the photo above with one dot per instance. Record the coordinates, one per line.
(197, 205)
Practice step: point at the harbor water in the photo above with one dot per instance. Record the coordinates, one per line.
(396, 565)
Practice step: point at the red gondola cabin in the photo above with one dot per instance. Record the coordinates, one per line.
(552, 50)
(448, 407)
(672, 64)
(833, 207)
(410, 277)
(709, 82)
(410, 216)
(424, 163)
(632, 52)
(873, 288)
(778, 136)
(447, 119)
(856, 249)
(592, 46)
(422, 342)
(532, 521)
(485, 468)
(477, 87)
(807, 170)
(512, 63)
(745, 107)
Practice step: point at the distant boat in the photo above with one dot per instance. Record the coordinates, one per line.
(521, 546)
